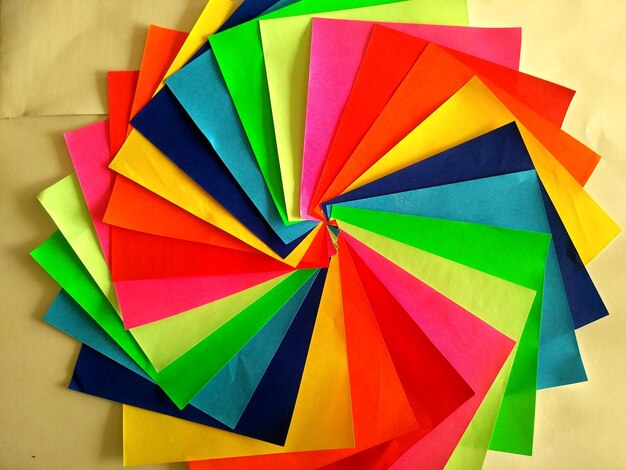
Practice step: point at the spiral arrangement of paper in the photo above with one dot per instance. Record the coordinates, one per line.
(342, 235)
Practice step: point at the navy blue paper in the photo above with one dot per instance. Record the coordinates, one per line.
(498, 152)
(268, 414)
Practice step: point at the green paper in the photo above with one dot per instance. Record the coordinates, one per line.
(186, 376)
(286, 48)
(239, 54)
(514, 255)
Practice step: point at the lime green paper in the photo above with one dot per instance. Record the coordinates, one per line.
(163, 341)
(514, 255)
(64, 211)
(286, 46)
(239, 54)
(186, 376)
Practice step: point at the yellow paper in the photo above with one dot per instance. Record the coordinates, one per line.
(143, 163)
(322, 417)
(286, 46)
(473, 111)
(210, 20)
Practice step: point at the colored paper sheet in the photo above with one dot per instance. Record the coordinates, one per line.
(89, 150)
(286, 62)
(274, 395)
(207, 355)
(137, 255)
(590, 228)
(120, 91)
(64, 204)
(239, 54)
(432, 91)
(509, 201)
(325, 380)
(496, 153)
(200, 83)
(517, 256)
(162, 47)
(165, 123)
(331, 76)
(67, 316)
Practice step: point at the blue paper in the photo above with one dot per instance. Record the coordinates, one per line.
(511, 201)
(201, 90)
(498, 152)
(268, 413)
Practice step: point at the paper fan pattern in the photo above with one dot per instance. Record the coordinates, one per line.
(336, 235)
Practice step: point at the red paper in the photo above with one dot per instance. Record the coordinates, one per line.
(121, 90)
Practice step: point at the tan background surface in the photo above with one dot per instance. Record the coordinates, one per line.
(56, 66)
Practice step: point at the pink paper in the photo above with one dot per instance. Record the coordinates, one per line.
(337, 47)
(474, 348)
(142, 301)
(89, 151)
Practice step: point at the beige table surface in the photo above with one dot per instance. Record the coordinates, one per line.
(59, 73)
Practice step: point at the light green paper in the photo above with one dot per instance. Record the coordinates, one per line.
(64, 211)
(239, 54)
(163, 341)
(186, 376)
(286, 48)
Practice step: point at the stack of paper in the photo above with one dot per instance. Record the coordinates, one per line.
(336, 234)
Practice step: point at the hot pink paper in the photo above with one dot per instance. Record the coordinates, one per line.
(142, 301)
(474, 348)
(337, 47)
(89, 151)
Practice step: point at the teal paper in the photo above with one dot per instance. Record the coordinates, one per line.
(226, 396)
(509, 201)
(201, 90)
(66, 315)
